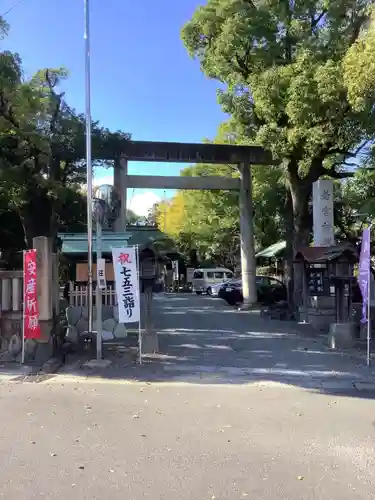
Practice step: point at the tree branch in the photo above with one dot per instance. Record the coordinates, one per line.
(315, 22)
(357, 25)
(349, 154)
(57, 98)
(337, 175)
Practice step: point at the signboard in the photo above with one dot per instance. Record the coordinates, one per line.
(101, 280)
(82, 272)
(31, 326)
(323, 226)
(316, 281)
(175, 270)
(125, 266)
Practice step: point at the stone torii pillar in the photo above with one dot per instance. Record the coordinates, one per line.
(248, 265)
(119, 183)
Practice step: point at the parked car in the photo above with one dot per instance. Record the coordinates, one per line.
(215, 289)
(270, 290)
(204, 279)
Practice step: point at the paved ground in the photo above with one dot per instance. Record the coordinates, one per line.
(203, 340)
(235, 408)
(94, 440)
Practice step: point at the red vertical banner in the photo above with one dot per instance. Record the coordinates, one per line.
(31, 327)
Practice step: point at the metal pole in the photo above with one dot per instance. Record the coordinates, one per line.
(139, 304)
(369, 308)
(88, 162)
(165, 232)
(99, 318)
(165, 212)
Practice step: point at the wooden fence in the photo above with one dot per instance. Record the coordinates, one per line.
(78, 294)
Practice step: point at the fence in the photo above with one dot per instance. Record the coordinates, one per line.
(11, 287)
(78, 294)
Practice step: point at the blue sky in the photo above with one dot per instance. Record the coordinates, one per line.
(142, 79)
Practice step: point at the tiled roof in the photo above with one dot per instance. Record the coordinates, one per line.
(76, 243)
(323, 254)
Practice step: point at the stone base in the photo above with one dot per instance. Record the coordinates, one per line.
(41, 350)
(341, 336)
(245, 306)
(97, 363)
(51, 366)
(150, 342)
(363, 331)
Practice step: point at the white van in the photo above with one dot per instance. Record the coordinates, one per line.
(204, 279)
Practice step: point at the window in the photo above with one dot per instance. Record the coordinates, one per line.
(229, 275)
(198, 275)
(210, 274)
(262, 281)
(219, 275)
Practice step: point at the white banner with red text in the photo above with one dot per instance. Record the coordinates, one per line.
(125, 265)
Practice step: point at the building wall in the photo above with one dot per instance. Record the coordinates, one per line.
(82, 272)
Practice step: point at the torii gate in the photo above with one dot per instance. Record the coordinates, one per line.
(219, 154)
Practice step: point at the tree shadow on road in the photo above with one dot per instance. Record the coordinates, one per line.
(205, 342)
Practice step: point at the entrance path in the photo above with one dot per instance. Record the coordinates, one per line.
(203, 336)
(204, 341)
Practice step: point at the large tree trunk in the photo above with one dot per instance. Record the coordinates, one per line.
(300, 193)
(289, 253)
(36, 217)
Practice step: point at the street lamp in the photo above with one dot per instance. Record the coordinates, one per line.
(104, 210)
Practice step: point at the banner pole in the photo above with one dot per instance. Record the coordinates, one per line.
(23, 313)
(139, 304)
(369, 307)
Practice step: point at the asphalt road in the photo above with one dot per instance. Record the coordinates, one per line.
(103, 439)
(234, 408)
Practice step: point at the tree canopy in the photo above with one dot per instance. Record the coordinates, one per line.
(42, 152)
(299, 80)
(208, 221)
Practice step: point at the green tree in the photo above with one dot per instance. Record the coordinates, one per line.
(288, 73)
(42, 147)
(208, 221)
(354, 204)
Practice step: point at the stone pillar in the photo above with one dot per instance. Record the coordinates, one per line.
(119, 184)
(150, 341)
(55, 283)
(6, 294)
(44, 277)
(248, 266)
(41, 350)
(16, 294)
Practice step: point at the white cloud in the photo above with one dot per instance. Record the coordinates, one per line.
(141, 203)
(106, 179)
(138, 203)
